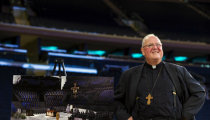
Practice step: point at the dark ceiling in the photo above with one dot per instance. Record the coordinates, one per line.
(170, 19)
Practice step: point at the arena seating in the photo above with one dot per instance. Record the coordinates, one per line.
(54, 98)
(84, 21)
(82, 27)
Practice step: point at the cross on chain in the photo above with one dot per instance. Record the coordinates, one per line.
(149, 97)
(74, 89)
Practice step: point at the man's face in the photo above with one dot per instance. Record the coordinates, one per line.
(152, 49)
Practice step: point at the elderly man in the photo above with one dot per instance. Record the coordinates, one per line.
(157, 90)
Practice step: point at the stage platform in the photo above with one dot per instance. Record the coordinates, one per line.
(63, 116)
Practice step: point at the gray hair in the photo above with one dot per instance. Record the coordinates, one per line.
(146, 38)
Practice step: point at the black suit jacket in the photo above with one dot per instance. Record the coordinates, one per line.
(189, 90)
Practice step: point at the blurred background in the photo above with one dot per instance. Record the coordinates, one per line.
(100, 38)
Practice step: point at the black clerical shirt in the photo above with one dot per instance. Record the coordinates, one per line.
(162, 103)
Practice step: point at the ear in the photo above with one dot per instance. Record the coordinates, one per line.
(142, 51)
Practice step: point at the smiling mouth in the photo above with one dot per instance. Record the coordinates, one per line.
(155, 52)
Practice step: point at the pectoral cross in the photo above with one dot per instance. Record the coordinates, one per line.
(74, 90)
(149, 97)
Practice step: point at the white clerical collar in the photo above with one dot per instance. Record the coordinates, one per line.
(154, 66)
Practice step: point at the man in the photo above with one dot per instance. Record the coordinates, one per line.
(157, 90)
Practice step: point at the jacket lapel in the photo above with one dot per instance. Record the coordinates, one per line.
(171, 74)
(135, 78)
(172, 71)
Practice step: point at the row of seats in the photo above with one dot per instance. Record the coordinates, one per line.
(54, 98)
(28, 95)
(27, 98)
(82, 27)
(57, 92)
(29, 104)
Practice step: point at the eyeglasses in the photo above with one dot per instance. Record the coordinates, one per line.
(152, 45)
